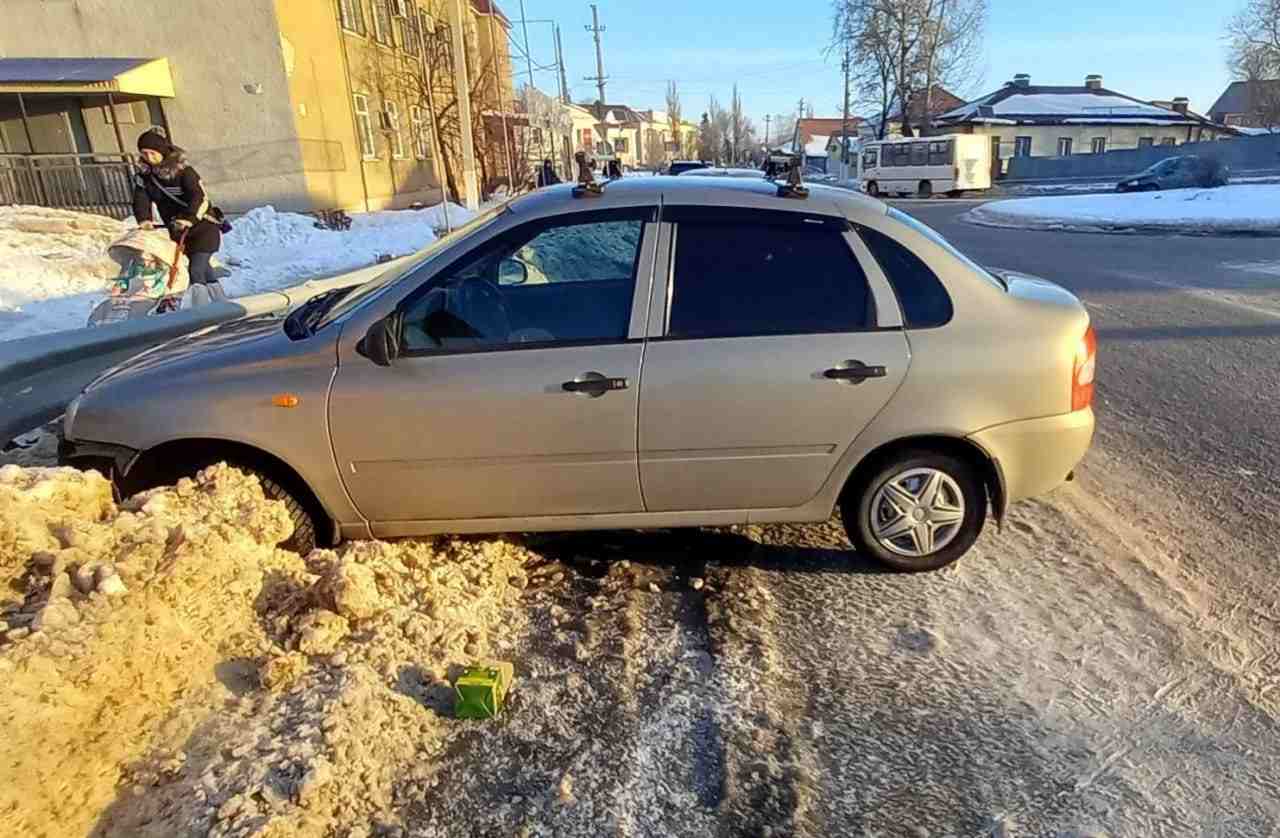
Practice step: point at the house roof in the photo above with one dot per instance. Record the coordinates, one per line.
(810, 127)
(487, 7)
(941, 100)
(1028, 104)
(615, 114)
(138, 76)
(1235, 99)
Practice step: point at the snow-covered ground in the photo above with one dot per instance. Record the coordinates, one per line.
(54, 267)
(1236, 209)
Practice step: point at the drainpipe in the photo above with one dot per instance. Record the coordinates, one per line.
(351, 106)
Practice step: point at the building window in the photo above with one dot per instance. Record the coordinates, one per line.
(1169, 141)
(995, 150)
(352, 12)
(382, 22)
(1146, 142)
(410, 34)
(1022, 147)
(364, 127)
(421, 139)
(620, 145)
(1099, 145)
(392, 127)
(1064, 146)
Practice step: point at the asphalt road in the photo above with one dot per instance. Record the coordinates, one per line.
(1106, 665)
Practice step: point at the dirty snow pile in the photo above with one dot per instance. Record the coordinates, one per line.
(1236, 209)
(54, 267)
(169, 672)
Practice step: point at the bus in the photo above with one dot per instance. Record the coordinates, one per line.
(926, 166)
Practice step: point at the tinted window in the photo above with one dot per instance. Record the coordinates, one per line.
(919, 154)
(570, 279)
(741, 278)
(940, 154)
(925, 302)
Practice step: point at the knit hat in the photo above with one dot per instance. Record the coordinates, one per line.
(155, 140)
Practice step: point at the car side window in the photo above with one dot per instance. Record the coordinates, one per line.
(925, 302)
(567, 279)
(792, 275)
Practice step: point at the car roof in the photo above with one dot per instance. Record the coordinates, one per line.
(698, 191)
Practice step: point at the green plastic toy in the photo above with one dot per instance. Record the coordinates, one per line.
(481, 690)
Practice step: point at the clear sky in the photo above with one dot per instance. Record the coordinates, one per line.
(774, 49)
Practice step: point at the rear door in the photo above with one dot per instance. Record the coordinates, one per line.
(768, 361)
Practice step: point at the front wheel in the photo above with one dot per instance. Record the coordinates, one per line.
(873, 189)
(922, 511)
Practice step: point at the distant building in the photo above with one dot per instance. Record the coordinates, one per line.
(941, 101)
(1023, 119)
(301, 105)
(814, 137)
(1249, 104)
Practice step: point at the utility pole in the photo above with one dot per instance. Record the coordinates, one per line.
(599, 78)
(564, 82)
(844, 120)
(463, 85)
(767, 120)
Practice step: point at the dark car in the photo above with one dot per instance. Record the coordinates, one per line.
(681, 166)
(1183, 172)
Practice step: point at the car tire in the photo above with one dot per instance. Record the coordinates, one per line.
(873, 189)
(868, 508)
(924, 190)
(303, 540)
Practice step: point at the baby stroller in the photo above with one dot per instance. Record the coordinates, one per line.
(153, 277)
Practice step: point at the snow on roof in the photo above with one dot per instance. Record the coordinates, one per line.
(1076, 105)
(817, 145)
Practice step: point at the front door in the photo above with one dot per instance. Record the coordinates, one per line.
(516, 386)
(771, 363)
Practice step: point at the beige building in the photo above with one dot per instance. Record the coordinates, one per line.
(639, 139)
(1023, 119)
(303, 104)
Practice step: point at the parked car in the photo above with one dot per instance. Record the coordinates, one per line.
(693, 351)
(678, 167)
(1181, 172)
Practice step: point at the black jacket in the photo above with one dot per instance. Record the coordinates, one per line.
(175, 190)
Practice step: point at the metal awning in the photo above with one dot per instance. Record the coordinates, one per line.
(126, 76)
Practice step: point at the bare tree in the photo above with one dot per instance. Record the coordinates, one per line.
(713, 133)
(903, 49)
(1253, 35)
(737, 127)
(673, 109)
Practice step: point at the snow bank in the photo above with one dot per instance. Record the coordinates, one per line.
(54, 267)
(168, 671)
(1228, 210)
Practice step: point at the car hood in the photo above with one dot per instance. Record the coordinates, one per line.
(210, 346)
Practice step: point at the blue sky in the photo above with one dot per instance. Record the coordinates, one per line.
(774, 49)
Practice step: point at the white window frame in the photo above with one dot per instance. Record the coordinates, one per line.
(1170, 140)
(421, 139)
(353, 22)
(385, 37)
(1146, 142)
(1098, 145)
(1022, 146)
(364, 127)
(392, 110)
(1064, 146)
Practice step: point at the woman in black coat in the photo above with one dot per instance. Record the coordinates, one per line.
(166, 181)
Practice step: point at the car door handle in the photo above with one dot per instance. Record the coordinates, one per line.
(855, 371)
(594, 384)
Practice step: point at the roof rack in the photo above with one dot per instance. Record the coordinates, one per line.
(587, 186)
(784, 170)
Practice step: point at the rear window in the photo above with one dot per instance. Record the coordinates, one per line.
(925, 302)
(734, 278)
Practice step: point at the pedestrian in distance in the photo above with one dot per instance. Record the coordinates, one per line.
(547, 174)
(167, 182)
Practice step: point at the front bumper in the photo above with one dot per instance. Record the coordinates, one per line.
(1036, 455)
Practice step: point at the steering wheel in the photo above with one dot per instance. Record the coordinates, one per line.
(481, 306)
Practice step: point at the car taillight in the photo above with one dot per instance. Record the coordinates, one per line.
(1082, 370)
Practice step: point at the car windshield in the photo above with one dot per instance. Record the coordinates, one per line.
(936, 237)
(370, 289)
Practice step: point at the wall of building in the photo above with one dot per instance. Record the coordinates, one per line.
(242, 141)
(1044, 138)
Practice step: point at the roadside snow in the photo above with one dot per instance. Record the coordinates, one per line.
(54, 267)
(1251, 209)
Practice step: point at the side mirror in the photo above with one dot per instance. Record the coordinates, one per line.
(512, 272)
(381, 344)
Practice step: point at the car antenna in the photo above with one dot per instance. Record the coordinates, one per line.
(587, 186)
(784, 170)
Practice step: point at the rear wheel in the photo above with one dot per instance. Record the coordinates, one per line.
(920, 511)
(873, 189)
(925, 190)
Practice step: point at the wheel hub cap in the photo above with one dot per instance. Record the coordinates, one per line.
(917, 512)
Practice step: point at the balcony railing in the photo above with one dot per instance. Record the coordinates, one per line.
(96, 183)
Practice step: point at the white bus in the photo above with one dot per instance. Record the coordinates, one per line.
(926, 166)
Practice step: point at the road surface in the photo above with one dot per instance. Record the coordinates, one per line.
(1106, 665)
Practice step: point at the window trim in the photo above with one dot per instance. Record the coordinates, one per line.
(357, 6)
(640, 291)
(364, 126)
(1097, 145)
(1146, 142)
(1064, 146)
(1022, 145)
(388, 38)
(418, 121)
